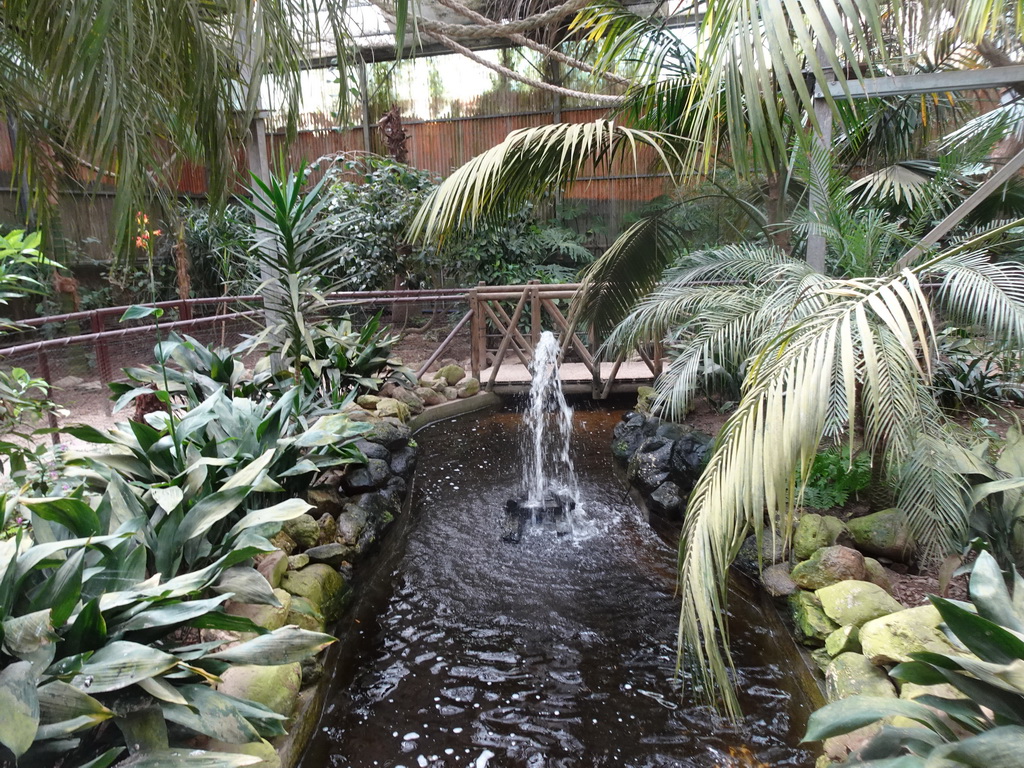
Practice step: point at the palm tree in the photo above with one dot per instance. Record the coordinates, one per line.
(122, 93)
(822, 356)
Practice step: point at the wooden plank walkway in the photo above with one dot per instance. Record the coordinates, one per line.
(576, 377)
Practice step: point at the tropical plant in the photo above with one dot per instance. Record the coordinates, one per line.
(125, 92)
(218, 247)
(834, 477)
(19, 259)
(971, 372)
(368, 219)
(983, 725)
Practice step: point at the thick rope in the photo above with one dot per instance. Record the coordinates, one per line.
(501, 30)
(529, 24)
(452, 45)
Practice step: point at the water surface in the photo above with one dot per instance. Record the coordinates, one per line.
(468, 650)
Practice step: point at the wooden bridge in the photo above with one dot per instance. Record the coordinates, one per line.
(506, 322)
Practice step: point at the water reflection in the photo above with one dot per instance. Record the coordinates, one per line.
(551, 651)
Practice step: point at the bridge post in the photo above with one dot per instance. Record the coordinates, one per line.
(477, 333)
(534, 312)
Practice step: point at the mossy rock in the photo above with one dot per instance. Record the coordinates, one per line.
(856, 602)
(369, 402)
(811, 623)
(389, 406)
(891, 639)
(876, 573)
(843, 640)
(273, 567)
(883, 534)
(276, 687)
(302, 614)
(645, 397)
(411, 399)
(322, 586)
(303, 530)
(468, 387)
(451, 374)
(828, 566)
(853, 674)
(267, 616)
(814, 532)
(262, 749)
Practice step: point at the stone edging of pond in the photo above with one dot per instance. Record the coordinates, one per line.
(830, 592)
(312, 567)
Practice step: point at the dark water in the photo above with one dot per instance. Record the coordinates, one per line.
(554, 651)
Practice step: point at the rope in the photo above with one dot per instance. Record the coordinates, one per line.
(451, 44)
(501, 29)
(484, 30)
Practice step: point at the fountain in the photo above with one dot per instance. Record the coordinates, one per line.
(549, 496)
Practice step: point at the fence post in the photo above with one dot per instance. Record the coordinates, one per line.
(184, 310)
(103, 365)
(597, 388)
(535, 312)
(477, 334)
(44, 372)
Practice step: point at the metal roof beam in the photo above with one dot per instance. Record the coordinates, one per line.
(930, 82)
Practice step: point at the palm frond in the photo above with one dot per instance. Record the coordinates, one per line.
(627, 271)
(530, 162)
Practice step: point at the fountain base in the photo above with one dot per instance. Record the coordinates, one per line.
(551, 513)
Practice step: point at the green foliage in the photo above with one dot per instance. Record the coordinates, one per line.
(517, 249)
(19, 259)
(834, 477)
(218, 246)
(997, 521)
(368, 220)
(982, 727)
(24, 402)
(972, 371)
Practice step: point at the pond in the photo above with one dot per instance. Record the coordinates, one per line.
(467, 649)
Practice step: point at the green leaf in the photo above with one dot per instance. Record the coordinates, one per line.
(847, 715)
(186, 758)
(1001, 747)
(59, 702)
(990, 596)
(282, 646)
(228, 622)
(74, 514)
(62, 590)
(250, 473)
(209, 511)
(25, 635)
(169, 615)
(121, 664)
(88, 434)
(19, 704)
(88, 632)
(138, 312)
(986, 639)
(246, 585)
(105, 760)
(279, 513)
(213, 714)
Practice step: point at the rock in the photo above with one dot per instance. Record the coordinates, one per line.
(403, 461)
(672, 431)
(295, 562)
(391, 434)
(276, 687)
(273, 566)
(369, 402)
(389, 406)
(266, 616)
(68, 382)
(262, 749)
(312, 669)
(828, 566)
(429, 396)
(750, 559)
(627, 437)
(667, 500)
(852, 674)
(891, 639)
(334, 554)
(303, 530)
(374, 474)
(396, 487)
(814, 532)
(689, 455)
(328, 528)
(361, 416)
(284, 542)
(650, 464)
(372, 450)
(856, 602)
(645, 397)
(843, 640)
(351, 524)
(452, 374)
(469, 387)
(883, 534)
(821, 659)
(812, 625)
(387, 389)
(776, 582)
(450, 393)
(410, 398)
(326, 498)
(302, 614)
(321, 585)
(876, 573)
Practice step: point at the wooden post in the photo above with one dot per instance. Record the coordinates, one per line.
(505, 342)
(535, 312)
(596, 369)
(364, 103)
(106, 370)
(478, 334)
(44, 373)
